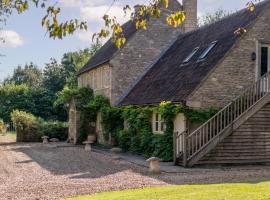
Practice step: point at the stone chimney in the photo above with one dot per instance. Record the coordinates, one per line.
(190, 7)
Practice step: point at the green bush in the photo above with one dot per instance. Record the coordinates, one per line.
(123, 138)
(26, 126)
(53, 129)
(38, 101)
(30, 128)
(162, 146)
(2, 126)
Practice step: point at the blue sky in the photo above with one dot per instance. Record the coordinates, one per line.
(26, 40)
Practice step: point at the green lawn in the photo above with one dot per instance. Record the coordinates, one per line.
(246, 191)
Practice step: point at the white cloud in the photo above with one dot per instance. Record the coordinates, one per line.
(83, 3)
(11, 39)
(95, 13)
(85, 36)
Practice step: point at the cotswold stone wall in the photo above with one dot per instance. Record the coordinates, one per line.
(139, 53)
(236, 71)
(74, 122)
(99, 79)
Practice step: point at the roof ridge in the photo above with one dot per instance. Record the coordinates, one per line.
(238, 12)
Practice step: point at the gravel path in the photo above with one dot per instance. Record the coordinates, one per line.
(36, 171)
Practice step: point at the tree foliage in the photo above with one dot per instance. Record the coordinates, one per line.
(59, 29)
(30, 74)
(54, 77)
(212, 17)
(36, 100)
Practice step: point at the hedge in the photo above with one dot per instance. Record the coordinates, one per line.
(30, 128)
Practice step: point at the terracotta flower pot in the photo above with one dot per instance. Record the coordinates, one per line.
(92, 138)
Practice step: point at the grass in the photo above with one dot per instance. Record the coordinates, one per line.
(241, 191)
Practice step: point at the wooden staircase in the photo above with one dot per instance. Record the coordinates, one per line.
(250, 143)
(239, 133)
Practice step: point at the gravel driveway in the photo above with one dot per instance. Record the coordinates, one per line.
(36, 171)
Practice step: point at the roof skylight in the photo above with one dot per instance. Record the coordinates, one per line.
(191, 55)
(207, 51)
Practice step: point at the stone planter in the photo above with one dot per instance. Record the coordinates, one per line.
(92, 138)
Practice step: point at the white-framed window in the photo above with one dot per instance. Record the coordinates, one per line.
(158, 124)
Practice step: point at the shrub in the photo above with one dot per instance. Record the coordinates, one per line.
(123, 138)
(162, 146)
(30, 128)
(53, 129)
(26, 126)
(2, 126)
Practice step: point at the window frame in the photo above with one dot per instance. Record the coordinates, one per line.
(264, 45)
(158, 124)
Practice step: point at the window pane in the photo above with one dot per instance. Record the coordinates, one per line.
(157, 117)
(163, 126)
(156, 126)
(264, 60)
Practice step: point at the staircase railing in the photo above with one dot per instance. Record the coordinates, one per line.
(214, 127)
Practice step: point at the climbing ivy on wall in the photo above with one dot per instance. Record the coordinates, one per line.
(137, 135)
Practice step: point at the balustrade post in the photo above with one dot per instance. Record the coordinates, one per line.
(175, 147)
(268, 82)
(185, 150)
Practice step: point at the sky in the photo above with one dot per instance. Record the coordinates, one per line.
(26, 41)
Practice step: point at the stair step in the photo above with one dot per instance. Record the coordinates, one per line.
(249, 157)
(244, 140)
(232, 147)
(238, 154)
(250, 133)
(239, 137)
(259, 129)
(256, 143)
(234, 161)
(229, 151)
(257, 122)
(261, 115)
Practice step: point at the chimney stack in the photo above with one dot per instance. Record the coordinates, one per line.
(191, 8)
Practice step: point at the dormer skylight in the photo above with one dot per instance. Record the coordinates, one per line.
(207, 51)
(191, 55)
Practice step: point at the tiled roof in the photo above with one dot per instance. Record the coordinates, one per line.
(168, 79)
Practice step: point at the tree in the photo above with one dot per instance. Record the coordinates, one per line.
(36, 100)
(73, 61)
(58, 29)
(30, 75)
(213, 17)
(54, 77)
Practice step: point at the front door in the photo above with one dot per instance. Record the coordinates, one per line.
(264, 64)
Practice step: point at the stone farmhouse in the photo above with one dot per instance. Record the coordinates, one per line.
(224, 64)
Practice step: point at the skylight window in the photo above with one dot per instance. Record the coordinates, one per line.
(191, 55)
(207, 51)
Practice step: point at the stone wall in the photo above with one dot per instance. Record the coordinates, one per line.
(236, 71)
(99, 79)
(139, 53)
(74, 122)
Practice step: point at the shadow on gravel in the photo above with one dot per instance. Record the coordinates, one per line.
(8, 144)
(79, 164)
(72, 161)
